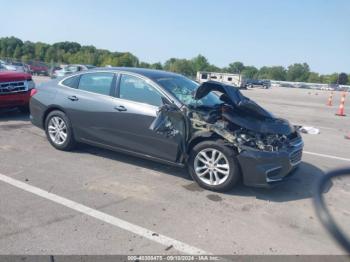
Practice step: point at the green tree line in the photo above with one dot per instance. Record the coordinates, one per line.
(63, 52)
(74, 53)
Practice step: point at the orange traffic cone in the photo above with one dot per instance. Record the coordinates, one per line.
(330, 100)
(341, 106)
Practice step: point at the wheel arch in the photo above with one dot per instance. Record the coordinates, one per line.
(49, 110)
(200, 137)
(206, 136)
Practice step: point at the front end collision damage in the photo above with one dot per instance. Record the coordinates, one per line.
(268, 148)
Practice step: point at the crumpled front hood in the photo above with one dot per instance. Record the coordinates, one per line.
(245, 112)
(264, 126)
(232, 96)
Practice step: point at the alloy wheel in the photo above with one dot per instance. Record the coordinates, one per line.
(211, 166)
(57, 130)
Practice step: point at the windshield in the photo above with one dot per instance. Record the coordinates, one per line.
(183, 88)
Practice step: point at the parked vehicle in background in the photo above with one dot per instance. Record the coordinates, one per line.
(7, 66)
(53, 69)
(342, 88)
(327, 88)
(15, 66)
(70, 69)
(212, 128)
(15, 89)
(258, 83)
(38, 68)
(2, 68)
(231, 79)
(20, 67)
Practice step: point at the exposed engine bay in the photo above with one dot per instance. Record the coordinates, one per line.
(238, 120)
(267, 148)
(215, 121)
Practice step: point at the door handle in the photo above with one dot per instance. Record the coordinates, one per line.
(120, 108)
(73, 98)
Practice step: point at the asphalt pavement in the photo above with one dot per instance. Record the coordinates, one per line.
(94, 201)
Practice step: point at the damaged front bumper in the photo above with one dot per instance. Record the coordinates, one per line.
(264, 169)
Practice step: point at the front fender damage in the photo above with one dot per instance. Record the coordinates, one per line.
(184, 125)
(172, 123)
(268, 148)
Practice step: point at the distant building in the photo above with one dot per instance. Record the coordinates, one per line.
(231, 79)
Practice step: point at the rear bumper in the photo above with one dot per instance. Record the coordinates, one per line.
(13, 100)
(37, 111)
(264, 169)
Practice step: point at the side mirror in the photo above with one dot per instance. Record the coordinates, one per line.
(337, 207)
(167, 105)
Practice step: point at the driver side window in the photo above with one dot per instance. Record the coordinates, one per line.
(138, 90)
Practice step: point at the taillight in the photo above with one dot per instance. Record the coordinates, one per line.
(33, 92)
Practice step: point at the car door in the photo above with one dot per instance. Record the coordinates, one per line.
(90, 106)
(137, 105)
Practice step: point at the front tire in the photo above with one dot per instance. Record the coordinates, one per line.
(59, 131)
(214, 166)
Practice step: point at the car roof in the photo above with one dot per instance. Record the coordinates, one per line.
(149, 73)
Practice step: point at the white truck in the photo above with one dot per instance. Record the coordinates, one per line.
(231, 79)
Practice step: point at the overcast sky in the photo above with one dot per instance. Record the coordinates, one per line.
(256, 32)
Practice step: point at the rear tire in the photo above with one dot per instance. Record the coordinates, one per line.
(221, 175)
(59, 131)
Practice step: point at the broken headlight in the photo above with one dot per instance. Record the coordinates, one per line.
(264, 142)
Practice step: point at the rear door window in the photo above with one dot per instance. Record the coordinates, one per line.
(99, 83)
(72, 81)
